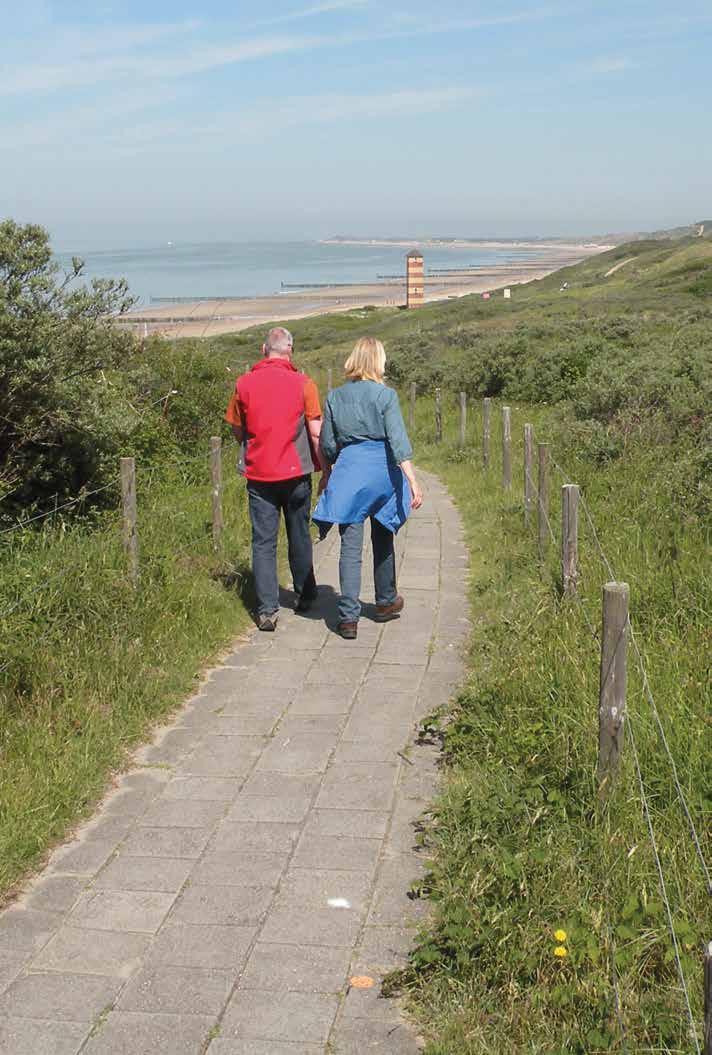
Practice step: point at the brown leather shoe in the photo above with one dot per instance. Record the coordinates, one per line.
(384, 612)
(349, 631)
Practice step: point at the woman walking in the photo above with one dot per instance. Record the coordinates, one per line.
(366, 448)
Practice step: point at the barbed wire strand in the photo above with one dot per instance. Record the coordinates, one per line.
(58, 509)
(663, 887)
(678, 787)
(617, 1002)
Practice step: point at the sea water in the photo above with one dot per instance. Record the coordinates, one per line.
(253, 269)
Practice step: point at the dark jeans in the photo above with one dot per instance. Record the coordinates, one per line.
(384, 568)
(266, 502)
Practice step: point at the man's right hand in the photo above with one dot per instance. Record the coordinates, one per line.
(325, 474)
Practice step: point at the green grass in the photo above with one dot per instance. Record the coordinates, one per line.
(620, 372)
(89, 664)
(519, 846)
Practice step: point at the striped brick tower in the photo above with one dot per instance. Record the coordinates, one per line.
(415, 295)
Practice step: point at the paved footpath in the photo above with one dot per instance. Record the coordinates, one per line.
(257, 859)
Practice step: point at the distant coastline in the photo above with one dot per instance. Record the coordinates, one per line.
(472, 243)
(206, 317)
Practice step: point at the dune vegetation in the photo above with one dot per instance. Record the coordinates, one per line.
(527, 860)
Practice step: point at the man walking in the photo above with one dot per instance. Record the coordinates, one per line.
(275, 414)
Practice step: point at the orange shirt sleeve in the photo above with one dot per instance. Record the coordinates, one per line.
(233, 414)
(312, 406)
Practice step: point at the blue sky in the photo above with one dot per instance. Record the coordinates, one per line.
(126, 124)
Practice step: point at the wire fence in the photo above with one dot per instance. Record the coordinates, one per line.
(211, 535)
(532, 490)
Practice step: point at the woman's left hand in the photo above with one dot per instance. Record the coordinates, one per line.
(416, 495)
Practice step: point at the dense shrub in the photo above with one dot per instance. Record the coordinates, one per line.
(61, 420)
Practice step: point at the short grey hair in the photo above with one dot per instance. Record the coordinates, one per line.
(279, 341)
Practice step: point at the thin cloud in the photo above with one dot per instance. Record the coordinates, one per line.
(127, 62)
(604, 66)
(315, 10)
(120, 130)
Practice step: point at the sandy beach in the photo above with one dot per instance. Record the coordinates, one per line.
(209, 317)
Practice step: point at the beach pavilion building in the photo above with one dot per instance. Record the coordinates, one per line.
(415, 279)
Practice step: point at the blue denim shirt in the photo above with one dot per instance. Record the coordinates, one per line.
(363, 410)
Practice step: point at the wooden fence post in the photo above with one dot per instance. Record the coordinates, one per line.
(411, 409)
(129, 529)
(569, 538)
(486, 430)
(438, 416)
(216, 476)
(507, 448)
(708, 999)
(329, 379)
(543, 499)
(528, 473)
(463, 419)
(611, 703)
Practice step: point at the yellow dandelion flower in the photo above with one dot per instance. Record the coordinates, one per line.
(560, 935)
(561, 952)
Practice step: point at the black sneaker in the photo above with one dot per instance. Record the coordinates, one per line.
(268, 622)
(305, 600)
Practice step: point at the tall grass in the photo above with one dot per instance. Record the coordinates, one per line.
(521, 845)
(87, 664)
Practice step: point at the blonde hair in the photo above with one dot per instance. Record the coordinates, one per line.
(367, 361)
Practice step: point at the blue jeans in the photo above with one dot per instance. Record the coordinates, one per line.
(267, 501)
(384, 568)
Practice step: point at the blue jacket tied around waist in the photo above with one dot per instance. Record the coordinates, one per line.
(365, 482)
(364, 437)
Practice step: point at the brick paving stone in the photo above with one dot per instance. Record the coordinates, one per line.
(359, 787)
(292, 724)
(107, 828)
(23, 1036)
(239, 869)
(318, 907)
(356, 1036)
(143, 873)
(274, 808)
(175, 990)
(323, 699)
(202, 789)
(358, 824)
(193, 945)
(169, 748)
(244, 724)
(75, 950)
(83, 858)
(138, 911)
(304, 969)
(222, 906)
(25, 930)
(11, 964)
(55, 893)
(382, 949)
(370, 1004)
(247, 836)
(223, 756)
(166, 842)
(267, 1015)
(339, 852)
(253, 1046)
(297, 753)
(59, 997)
(135, 1033)
(166, 813)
